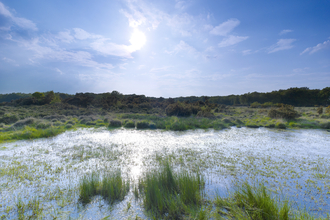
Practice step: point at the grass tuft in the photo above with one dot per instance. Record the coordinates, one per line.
(253, 203)
(112, 187)
(171, 195)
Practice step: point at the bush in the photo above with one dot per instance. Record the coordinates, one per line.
(178, 109)
(255, 105)
(319, 110)
(327, 110)
(115, 123)
(142, 124)
(9, 118)
(129, 124)
(285, 111)
(24, 122)
(43, 125)
(280, 125)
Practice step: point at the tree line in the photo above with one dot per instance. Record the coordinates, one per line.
(293, 96)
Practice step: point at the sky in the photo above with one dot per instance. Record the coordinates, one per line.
(164, 48)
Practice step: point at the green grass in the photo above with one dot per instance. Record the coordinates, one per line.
(171, 195)
(257, 203)
(112, 187)
(30, 133)
(253, 203)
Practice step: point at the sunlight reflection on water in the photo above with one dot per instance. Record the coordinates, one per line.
(293, 163)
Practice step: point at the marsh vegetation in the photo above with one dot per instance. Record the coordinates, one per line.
(146, 174)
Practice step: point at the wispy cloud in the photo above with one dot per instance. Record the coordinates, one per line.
(81, 34)
(59, 71)
(246, 52)
(183, 46)
(318, 47)
(160, 69)
(231, 40)
(282, 44)
(21, 22)
(182, 5)
(226, 27)
(285, 31)
(65, 36)
(8, 60)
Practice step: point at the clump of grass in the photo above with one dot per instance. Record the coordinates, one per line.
(112, 187)
(252, 203)
(170, 194)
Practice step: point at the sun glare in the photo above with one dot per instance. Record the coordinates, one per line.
(138, 39)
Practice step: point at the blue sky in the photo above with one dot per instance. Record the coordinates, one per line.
(164, 48)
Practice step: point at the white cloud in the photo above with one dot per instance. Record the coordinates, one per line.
(231, 40)
(65, 36)
(160, 69)
(226, 27)
(246, 52)
(299, 70)
(81, 34)
(109, 48)
(183, 46)
(8, 60)
(282, 44)
(122, 66)
(21, 22)
(318, 47)
(285, 31)
(59, 71)
(103, 45)
(181, 5)
(81, 58)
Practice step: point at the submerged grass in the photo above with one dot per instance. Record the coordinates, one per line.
(171, 195)
(112, 187)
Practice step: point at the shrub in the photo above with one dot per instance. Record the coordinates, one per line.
(327, 110)
(319, 110)
(38, 95)
(142, 124)
(178, 109)
(255, 105)
(285, 111)
(280, 125)
(24, 122)
(43, 125)
(9, 118)
(115, 123)
(129, 124)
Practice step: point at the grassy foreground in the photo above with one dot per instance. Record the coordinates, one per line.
(166, 194)
(30, 122)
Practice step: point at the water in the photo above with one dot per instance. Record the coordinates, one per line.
(293, 163)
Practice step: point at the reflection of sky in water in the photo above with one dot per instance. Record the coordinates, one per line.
(293, 163)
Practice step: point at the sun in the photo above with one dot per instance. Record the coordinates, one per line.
(138, 39)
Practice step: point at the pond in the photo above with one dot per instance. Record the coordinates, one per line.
(294, 164)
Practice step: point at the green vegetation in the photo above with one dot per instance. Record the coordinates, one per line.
(112, 187)
(255, 202)
(47, 114)
(171, 195)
